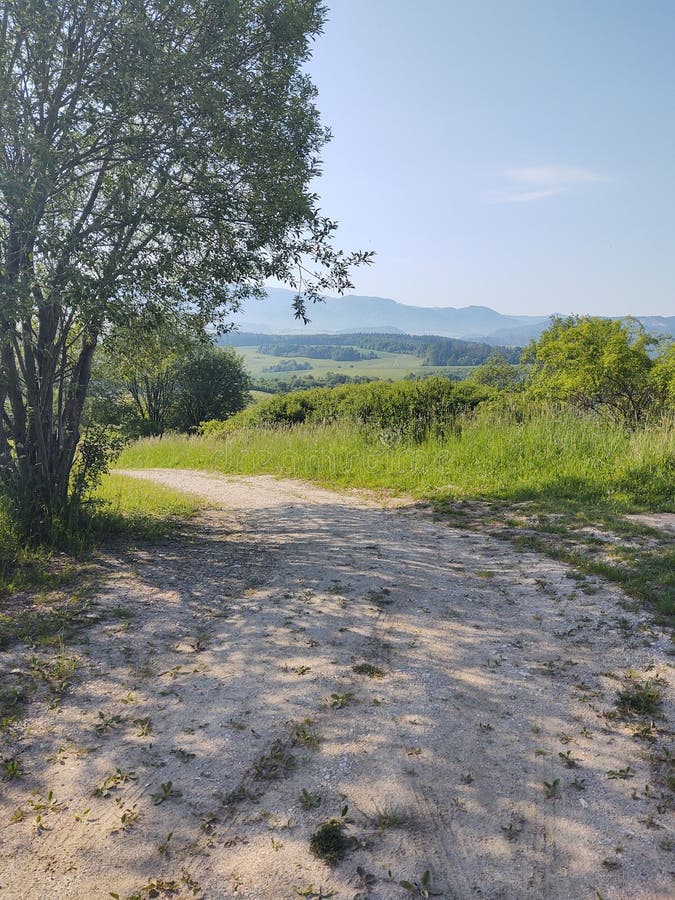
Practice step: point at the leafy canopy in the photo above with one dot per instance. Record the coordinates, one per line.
(595, 364)
(152, 154)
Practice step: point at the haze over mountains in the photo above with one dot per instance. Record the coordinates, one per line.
(274, 315)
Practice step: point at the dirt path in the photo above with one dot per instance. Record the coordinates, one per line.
(233, 670)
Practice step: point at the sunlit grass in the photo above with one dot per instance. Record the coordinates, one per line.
(135, 498)
(385, 366)
(550, 459)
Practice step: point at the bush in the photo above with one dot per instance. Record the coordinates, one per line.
(210, 383)
(329, 842)
(599, 365)
(402, 410)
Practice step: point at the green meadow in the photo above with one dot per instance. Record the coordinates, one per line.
(386, 366)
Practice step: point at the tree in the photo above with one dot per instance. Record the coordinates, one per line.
(152, 154)
(211, 383)
(499, 373)
(664, 376)
(595, 364)
(144, 355)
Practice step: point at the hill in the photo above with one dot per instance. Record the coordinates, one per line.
(353, 313)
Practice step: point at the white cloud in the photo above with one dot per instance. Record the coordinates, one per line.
(530, 183)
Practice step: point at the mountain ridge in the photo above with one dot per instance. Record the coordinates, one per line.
(354, 313)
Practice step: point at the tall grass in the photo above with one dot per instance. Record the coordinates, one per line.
(131, 498)
(550, 457)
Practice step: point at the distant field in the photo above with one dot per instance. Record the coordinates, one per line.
(387, 365)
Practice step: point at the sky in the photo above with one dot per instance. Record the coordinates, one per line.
(505, 153)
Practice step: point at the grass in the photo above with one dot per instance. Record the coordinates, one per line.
(120, 505)
(391, 815)
(551, 459)
(386, 366)
(151, 510)
(642, 698)
(640, 560)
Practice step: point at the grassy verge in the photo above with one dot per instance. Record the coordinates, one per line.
(557, 479)
(141, 508)
(552, 461)
(593, 541)
(45, 595)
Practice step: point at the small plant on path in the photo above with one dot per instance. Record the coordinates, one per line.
(329, 842)
(338, 701)
(166, 790)
(421, 888)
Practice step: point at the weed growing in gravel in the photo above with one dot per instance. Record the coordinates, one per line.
(366, 882)
(82, 817)
(183, 755)
(55, 673)
(552, 789)
(163, 848)
(277, 763)
(144, 726)
(165, 792)
(309, 800)
(303, 734)
(337, 701)
(313, 893)
(12, 768)
(128, 816)
(570, 761)
(640, 697)
(106, 723)
(112, 781)
(421, 888)
(391, 815)
(369, 670)
(380, 597)
(46, 804)
(329, 842)
(156, 887)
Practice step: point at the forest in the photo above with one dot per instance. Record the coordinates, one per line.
(433, 350)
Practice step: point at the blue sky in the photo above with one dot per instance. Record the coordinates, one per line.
(513, 154)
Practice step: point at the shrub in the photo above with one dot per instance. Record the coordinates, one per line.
(402, 410)
(329, 842)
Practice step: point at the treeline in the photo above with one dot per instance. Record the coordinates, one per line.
(335, 352)
(432, 349)
(291, 365)
(306, 382)
(603, 367)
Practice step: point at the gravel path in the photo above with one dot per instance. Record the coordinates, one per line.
(301, 654)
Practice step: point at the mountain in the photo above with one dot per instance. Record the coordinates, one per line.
(273, 315)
